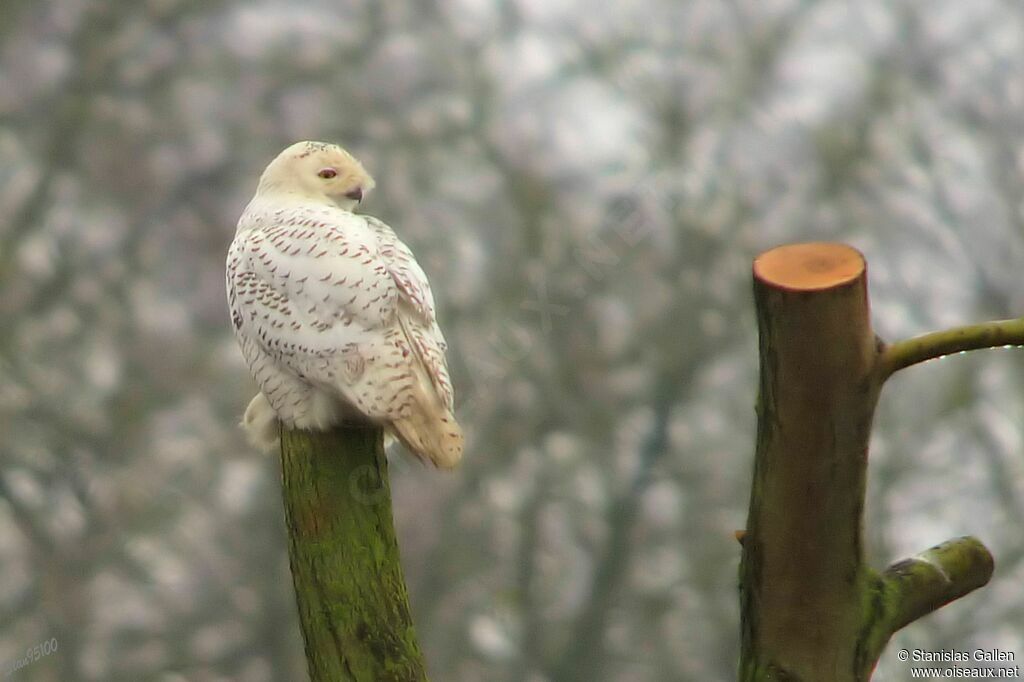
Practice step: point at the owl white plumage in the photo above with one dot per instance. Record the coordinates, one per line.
(334, 316)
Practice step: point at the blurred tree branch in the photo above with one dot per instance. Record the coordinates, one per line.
(583, 658)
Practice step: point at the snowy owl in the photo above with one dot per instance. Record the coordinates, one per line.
(334, 316)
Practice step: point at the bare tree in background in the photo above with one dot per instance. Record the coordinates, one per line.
(603, 179)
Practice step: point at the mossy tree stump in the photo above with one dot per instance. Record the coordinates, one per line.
(352, 598)
(812, 609)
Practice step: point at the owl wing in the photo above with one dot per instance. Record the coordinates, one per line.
(428, 426)
(416, 310)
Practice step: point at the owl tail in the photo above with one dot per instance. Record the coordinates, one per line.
(433, 437)
(429, 431)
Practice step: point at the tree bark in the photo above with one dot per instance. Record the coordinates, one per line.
(812, 610)
(352, 598)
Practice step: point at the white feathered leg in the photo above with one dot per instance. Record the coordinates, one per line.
(261, 426)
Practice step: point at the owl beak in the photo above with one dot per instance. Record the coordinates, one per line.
(355, 195)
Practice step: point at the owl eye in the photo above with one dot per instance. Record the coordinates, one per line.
(327, 173)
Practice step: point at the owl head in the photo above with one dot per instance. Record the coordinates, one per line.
(320, 171)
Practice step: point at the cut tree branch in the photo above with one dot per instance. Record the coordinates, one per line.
(812, 609)
(919, 585)
(914, 587)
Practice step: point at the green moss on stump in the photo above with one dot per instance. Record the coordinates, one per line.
(352, 599)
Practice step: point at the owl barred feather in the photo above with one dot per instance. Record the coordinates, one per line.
(333, 314)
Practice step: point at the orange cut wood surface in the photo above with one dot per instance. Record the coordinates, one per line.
(809, 267)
